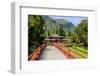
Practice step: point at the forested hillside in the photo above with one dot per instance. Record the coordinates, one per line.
(41, 27)
(58, 26)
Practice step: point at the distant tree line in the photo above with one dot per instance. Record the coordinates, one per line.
(57, 26)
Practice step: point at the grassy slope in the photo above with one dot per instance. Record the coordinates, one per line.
(84, 55)
(78, 52)
(84, 50)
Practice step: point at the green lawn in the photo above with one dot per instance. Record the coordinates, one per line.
(82, 49)
(81, 53)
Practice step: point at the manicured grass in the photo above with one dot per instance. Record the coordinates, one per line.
(84, 50)
(84, 55)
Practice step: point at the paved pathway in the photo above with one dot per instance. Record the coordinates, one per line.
(51, 53)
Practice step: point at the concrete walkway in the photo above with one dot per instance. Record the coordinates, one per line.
(51, 53)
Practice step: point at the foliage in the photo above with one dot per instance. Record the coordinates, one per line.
(41, 27)
(61, 30)
(80, 34)
(54, 26)
(35, 30)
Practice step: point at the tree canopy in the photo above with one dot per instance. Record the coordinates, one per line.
(36, 27)
(80, 34)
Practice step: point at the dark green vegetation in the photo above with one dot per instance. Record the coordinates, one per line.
(36, 30)
(80, 35)
(41, 27)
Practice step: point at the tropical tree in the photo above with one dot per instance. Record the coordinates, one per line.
(36, 29)
(80, 34)
(61, 30)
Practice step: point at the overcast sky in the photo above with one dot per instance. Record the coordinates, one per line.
(74, 19)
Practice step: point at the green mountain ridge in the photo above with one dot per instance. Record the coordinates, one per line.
(53, 25)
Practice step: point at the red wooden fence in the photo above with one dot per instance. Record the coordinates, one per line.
(65, 52)
(36, 53)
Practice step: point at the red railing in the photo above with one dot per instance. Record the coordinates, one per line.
(65, 52)
(35, 55)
